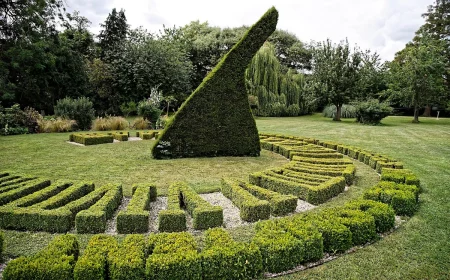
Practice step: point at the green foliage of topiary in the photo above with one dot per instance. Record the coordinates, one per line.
(2, 245)
(128, 261)
(216, 120)
(372, 112)
(174, 218)
(55, 262)
(383, 214)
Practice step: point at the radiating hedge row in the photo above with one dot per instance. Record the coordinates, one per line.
(135, 218)
(91, 138)
(174, 218)
(41, 206)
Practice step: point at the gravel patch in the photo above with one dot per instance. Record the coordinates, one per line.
(303, 206)
(111, 225)
(134, 139)
(231, 216)
(75, 143)
(155, 207)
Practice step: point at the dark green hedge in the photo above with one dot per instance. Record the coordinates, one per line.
(174, 218)
(204, 215)
(128, 261)
(402, 176)
(93, 220)
(383, 214)
(2, 245)
(223, 258)
(280, 205)
(27, 188)
(91, 138)
(251, 208)
(94, 262)
(135, 218)
(216, 120)
(55, 262)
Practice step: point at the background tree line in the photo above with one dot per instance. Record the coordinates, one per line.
(47, 54)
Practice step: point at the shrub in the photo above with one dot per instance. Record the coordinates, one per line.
(128, 108)
(149, 111)
(347, 111)
(128, 261)
(383, 214)
(251, 208)
(135, 218)
(12, 121)
(81, 110)
(405, 176)
(57, 125)
(293, 110)
(172, 219)
(219, 107)
(93, 263)
(280, 205)
(162, 122)
(372, 111)
(93, 220)
(110, 123)
(280, 250)
(141, 124)
(204, 215)
(56, 261)
(2, 245)
(91, 139)
(223, 258)
(31, 119)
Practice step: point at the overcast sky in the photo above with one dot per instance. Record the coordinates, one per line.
(384, 26)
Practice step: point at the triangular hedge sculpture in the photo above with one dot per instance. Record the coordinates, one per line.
(216, 119)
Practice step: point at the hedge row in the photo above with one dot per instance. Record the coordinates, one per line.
(251, 208)
(91, 138)
(135, 218)
(204, 215)
(147, 135)
(174, 218)
(403, 198)
(315, 194)
(128, 261)
(280, 205)
(15, 182)
(23, 190)
(93, 219)
(120, 136)
(56, 261)
(402, 176)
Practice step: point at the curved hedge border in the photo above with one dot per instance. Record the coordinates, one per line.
(278, 245)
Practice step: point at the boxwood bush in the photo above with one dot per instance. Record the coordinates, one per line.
(372, 111)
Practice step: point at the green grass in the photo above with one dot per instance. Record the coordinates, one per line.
(49, 156)
(419, 249)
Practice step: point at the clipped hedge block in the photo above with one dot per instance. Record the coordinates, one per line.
(93, 263)
(56, 261)
(135, 218)
(228, 112)
(172, 219)
(223, 258)
(91, 138)
(280, 250)
(128, 261)
(93, 220)
(383, 214)
(251, 208)
(403, 176)
(280, 205)
(204, 214)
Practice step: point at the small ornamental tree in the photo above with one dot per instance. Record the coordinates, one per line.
(216, 120)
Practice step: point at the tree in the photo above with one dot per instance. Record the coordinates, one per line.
(336, 72)
(290, 51)
(113, 34)
(417, 74)
(372, 78)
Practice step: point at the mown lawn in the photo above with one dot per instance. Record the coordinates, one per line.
(420, 249)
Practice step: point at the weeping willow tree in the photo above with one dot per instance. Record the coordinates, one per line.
(272, 92)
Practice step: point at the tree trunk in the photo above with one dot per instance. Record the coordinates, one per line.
(416, 112)
(337, 117)
(427, 112)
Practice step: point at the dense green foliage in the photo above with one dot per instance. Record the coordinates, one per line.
(372, 111)
(347, 111)
(222, 102)
(81, 110)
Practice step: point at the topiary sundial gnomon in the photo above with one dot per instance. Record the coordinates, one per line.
(216, 119)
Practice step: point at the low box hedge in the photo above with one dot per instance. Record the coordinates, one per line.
(251, 208)
(174, 218)
(173, 256)
(128, 261)
(93, 264)
(280, 205)
(403, 176)
(383, 214)
(55, 262)
(403, 198)
(93, 219)
(26, 189)
(91, 138)
(280, 250)
(223, 258)
(135, 218)
(204, 215)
